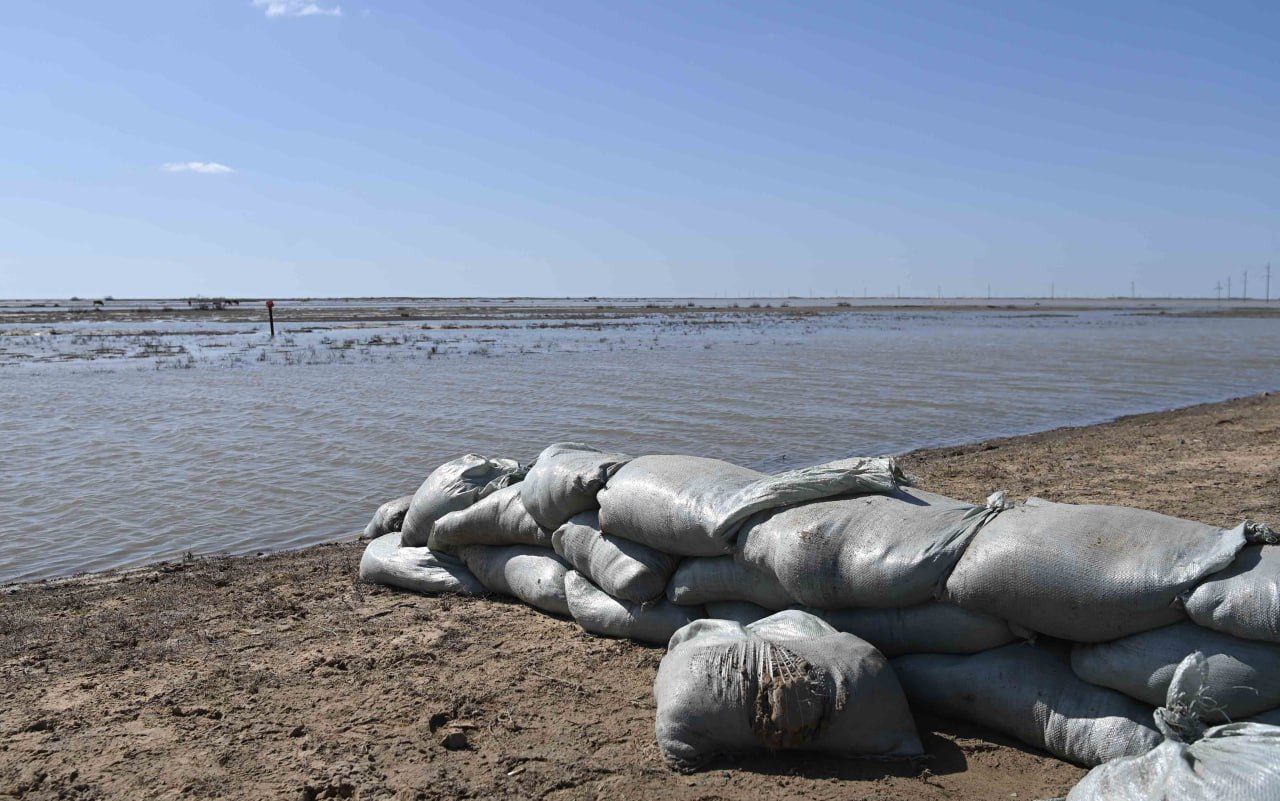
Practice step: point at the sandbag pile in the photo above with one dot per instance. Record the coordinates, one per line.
(1060, 625)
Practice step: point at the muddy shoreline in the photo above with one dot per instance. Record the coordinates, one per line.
(281, 676)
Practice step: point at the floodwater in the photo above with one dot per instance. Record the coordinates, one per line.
(116, 460)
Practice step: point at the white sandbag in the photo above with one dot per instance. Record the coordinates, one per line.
(497, 519)
(743, 612)
(532, 574)
(564, 480)
(888, 550)
(691, 506)
(1243, 599)
(452, 486)
(789, 681)
(1235, 762)
(1241, 677)
(707, 579)
(388, 518)
(1030, 694)
(626, 570)
(601, 614)
(928, 628)
(1087, 573)
(384, 561)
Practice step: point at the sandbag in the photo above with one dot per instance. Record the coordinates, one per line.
(1235, 762)
(384, 561)
(388, 518)
(626, 570)
(1241, 677)
(691, 506)
(789, 681)
(1243, 599)
(564, 480)
(497, 519)
(452, 486)
(532, 574)
(743, 612)
(929, 628)
(702, 580)
(888, 550)
(601, 614)
(1030, 694)
(1087, 573)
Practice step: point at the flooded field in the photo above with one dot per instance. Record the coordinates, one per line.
(134, 434)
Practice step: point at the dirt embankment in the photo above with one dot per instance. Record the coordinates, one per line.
(282, 677)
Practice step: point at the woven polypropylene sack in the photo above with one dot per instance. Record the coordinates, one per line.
(532, 574)
(1243, 599)
(887, 550)
(452, 486)
(384, 561)
(1235, 762)
(389, 517)
(1087, 573)
(497, 519)
(1241, 677)
(708, 579)
(626, 570)
(788, 681)
(564, 480)
(1030, 694)
(929, 628)
(691, 506)
(599, 613)
(743, 612)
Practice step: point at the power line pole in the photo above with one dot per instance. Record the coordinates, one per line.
(1245, 295)
(988, 290)
(1052, 290)
(1219, 289)
(1268, 298)
(1228, 288)
(1133, 290)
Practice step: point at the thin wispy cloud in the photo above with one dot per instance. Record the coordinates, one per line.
(202, 167)
(297, 8)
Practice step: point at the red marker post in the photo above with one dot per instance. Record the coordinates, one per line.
(271, 315)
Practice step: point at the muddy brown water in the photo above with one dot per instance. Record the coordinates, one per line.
(114, 468)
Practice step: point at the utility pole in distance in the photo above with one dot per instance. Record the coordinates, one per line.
(1268, 296)
(1219, 289)
(1228, 288)
(1245, 294)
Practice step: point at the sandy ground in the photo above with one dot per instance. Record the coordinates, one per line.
(283, 677)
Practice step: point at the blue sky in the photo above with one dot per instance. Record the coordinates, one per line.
(374, 147)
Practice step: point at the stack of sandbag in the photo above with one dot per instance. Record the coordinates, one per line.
(1232, 762)
(789, 681)
(1060, 625)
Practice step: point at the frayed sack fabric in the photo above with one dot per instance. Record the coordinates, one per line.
(1243, 599)
(692, 506)
(789, 681)
(532, 574)
(707, 579)
(497, 519)
(1240, 678)
(887, 550)
(564, 480)
(418, 569)
(1030, 694)
(929, 628)
(452, 486)
(626, 570)
(1235, 762)
(599, 613)
(1087, 573)
(388, 518)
